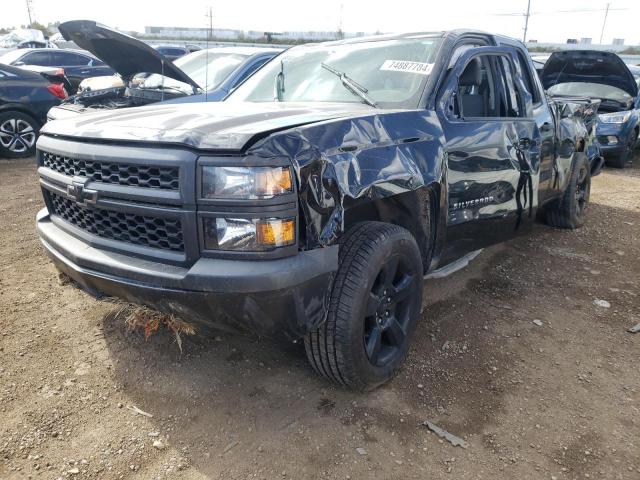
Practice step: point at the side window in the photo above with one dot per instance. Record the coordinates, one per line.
(41, 58)
(476, 95)
(513, 98)
(69, 59)
(525, 71)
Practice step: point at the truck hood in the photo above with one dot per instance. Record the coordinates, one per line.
(123, 53)
(220, 126)
(589, 66)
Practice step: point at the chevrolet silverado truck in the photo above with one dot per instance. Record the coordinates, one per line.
(312, 202)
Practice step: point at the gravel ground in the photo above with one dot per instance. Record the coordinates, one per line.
(512, 355)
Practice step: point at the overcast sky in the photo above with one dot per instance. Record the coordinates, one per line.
(546, 24)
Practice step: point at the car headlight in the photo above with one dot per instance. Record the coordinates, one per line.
(248, 234)
(617, 117)
(245, 182)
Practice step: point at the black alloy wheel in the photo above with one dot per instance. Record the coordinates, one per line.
(388, 311)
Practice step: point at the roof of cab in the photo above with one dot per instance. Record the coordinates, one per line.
(398, 36)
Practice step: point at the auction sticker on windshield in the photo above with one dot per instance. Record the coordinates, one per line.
(406, 66)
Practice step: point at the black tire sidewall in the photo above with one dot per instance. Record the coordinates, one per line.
(581, 163)
(401, 243)
(5, 152)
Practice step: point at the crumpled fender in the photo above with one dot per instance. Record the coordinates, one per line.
(345, 163)
(575, 134)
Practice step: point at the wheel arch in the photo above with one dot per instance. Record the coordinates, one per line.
(418, 211)
(17, 107)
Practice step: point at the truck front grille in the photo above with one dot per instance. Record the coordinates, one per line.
(156, 232)
(146, 176)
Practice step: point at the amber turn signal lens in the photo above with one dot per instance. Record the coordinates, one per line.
(275, 233)
(273, 181)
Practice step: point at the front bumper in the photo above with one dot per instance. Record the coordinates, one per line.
(622, 131)
(287, 296)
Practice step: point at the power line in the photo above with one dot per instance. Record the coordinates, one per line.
(552, 12)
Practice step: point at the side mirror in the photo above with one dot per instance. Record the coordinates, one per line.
(19, 64)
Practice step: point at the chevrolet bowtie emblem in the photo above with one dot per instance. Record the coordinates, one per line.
(82, 195)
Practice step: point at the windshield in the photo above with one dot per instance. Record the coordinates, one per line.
(220, 65)
(593, 90)
(390, 73)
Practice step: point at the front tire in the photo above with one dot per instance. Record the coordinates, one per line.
(18, 134)
(570, 210)
(373, 310)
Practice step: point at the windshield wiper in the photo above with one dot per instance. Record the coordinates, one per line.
(351, 85)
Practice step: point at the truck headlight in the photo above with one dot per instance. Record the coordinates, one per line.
(245, 182)
(617, 117)
(248, 234)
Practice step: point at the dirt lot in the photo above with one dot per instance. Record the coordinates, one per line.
(560, 400)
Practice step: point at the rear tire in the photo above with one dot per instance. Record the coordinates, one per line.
(374, 307)
(18, 134)
(569, 211)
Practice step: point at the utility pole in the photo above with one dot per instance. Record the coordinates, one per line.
(340, 32)
(526, 21)
(604, 23)
(210, 15)
(29, 6)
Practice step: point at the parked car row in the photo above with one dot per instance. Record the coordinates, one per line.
(146, 76)
(114, 70)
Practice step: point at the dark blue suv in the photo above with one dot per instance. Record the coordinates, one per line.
(603, 76)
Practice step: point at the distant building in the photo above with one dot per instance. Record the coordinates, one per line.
(585, 41)
(191, 32)
(230, 34)
(618, 41)
(572, 41)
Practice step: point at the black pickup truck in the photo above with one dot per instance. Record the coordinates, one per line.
(313, 201)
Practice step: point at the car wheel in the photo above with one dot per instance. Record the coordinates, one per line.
(621, 160)
(374, 307)
(18, 134)
(570, 210)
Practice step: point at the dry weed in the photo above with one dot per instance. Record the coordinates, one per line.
(139, 317)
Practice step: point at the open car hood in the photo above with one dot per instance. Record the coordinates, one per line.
(589, 66)
(125, 54)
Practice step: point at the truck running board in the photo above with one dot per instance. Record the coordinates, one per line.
(453, 266)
